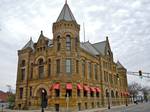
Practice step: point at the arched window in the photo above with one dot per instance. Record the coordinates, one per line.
(68, 42)
(58, 43)
(41, 68)
(49, 67)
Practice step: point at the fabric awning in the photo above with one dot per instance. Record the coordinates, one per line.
(98, 90)
(92, 89)
(56, 86)
(69, 86)
(86, 88)
(127, 93)
(79, 86)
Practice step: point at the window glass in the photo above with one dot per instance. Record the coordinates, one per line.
(58, 66)
(68, 42)
(21, 93)
(41, 68)
(68, 65)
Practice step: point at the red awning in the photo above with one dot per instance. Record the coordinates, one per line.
(86, 88)
(98, 90)
(127, 94)
(79, 86)
(92, 89)
(56, 86)
(69, 86)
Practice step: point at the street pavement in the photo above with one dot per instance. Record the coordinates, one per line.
(141, 107)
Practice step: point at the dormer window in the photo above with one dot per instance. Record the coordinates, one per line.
(68, 42)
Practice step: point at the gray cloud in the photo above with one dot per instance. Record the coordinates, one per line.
(126, 22)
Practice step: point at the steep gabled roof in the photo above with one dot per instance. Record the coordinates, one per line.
(30, 44)
(66, 14)
(100, 46)
(87, 46)
(119, 65)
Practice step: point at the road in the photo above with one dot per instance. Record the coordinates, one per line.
(141, 107)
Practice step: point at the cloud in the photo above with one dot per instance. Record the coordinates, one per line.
(126, 22)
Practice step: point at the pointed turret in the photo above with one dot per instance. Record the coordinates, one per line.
(66, 14)
(66, 29)
(30, 44)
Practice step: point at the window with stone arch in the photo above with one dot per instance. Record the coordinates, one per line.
(58, 43)
(68, 42)
(41, 68)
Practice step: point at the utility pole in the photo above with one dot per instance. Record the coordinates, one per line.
(108, 100)
(42, 100)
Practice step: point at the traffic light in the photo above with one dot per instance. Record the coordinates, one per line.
(140, 73)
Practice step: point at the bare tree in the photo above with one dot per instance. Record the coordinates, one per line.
(134, 88)
(146, 91)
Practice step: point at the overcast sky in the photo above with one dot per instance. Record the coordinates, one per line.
(126, 22)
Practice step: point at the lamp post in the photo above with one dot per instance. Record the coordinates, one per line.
(126, 100)
(42, 100)
(108, 100)
(2, 107)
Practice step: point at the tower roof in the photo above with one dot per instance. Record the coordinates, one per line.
(66, 14)
(30, 44)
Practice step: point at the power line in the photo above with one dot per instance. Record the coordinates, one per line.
(144, 74)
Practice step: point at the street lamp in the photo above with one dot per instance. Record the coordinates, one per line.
(2, 107)
(126, 99)
(108, 100)
(42, 100)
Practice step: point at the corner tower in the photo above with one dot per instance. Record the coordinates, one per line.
(66, 31)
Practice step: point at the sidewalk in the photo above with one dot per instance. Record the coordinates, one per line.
(91, 110)
(105, 108)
